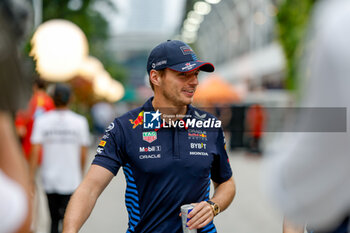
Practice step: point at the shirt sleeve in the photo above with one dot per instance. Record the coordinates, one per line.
(221, 169)
(109, 152)
(37, 136)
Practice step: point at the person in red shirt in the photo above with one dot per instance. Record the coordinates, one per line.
(255, 125)
(39, 103)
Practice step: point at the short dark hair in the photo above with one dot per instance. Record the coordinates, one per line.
(61, 95)
(161, 73)
(40, 83)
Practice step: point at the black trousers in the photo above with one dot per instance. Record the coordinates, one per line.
(57, 205)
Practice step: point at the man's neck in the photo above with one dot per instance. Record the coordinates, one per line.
(167, 108)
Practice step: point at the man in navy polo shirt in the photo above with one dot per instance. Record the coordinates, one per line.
(169, 152)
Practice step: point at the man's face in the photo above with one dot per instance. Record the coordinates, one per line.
(178, 87)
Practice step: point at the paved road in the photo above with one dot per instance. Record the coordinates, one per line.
(249, 213)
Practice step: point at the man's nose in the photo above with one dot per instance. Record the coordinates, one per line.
(193, 80)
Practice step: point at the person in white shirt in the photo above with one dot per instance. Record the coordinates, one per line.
(63, 137)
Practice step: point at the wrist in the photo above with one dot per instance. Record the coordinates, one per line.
(215, 207)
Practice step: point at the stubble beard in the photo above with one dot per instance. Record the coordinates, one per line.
(175, 100)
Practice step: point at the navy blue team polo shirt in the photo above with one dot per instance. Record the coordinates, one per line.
(163, 168)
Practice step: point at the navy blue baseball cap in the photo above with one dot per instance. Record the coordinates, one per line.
(176, 55)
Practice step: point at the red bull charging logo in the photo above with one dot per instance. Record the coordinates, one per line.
(137, 121)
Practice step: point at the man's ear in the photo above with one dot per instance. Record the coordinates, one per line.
(154, 77)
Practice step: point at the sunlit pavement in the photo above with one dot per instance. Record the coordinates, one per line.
(250, 212)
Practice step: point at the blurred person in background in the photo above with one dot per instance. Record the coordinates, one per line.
(15, 207)
(15, 204)
(255, 125)
(291, 228)
(308, 173)
(102, 114)
(161, 168)
(64, 138)
(40, 103)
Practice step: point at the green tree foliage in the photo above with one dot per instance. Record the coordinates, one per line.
(292, 22)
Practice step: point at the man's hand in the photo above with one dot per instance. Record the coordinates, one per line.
(201, 215)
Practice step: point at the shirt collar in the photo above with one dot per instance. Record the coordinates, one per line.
(148, 107)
